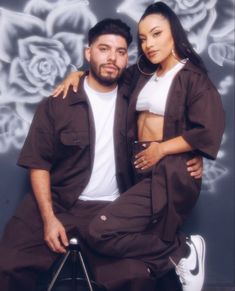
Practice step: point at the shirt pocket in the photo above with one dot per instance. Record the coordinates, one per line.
(72, 145)
(74, 139)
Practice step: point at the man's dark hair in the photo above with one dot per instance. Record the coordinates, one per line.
(110, 26)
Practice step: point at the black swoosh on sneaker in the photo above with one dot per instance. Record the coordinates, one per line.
(195, 271)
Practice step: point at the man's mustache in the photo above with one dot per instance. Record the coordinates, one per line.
(110, 65)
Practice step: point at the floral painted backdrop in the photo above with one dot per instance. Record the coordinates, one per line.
(43, 40)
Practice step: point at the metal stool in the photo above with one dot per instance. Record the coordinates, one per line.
(74, 255)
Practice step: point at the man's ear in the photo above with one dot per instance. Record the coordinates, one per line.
(88, 54)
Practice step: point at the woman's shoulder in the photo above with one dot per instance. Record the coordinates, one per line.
(197, 79)
(192, 69)
(195, 74)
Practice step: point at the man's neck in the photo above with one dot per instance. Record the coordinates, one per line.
(95, 85)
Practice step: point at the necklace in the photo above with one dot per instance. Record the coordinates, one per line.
(156, 76)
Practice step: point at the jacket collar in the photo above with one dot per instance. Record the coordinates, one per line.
(189, 66)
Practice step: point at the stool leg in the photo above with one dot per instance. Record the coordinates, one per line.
(74, 261)
(58, 271)
(75, 253)
(85, 271)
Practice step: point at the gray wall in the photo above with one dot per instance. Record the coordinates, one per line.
(41, 41)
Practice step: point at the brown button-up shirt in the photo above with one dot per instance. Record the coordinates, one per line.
(61, 140)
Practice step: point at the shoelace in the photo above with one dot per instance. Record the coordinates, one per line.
(180, 270)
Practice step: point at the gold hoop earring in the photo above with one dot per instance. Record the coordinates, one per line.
(174, 54)
(141, 71)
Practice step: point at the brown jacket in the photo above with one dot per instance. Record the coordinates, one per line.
(194, 110)
(61, 140)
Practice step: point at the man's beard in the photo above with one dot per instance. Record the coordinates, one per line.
(107, 80)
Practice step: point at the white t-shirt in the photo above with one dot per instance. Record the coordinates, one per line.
(154, 94)
(103, 183)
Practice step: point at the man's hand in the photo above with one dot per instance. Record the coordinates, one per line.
(195, 167)
(54, 232)
(55, 235)
(72, 80)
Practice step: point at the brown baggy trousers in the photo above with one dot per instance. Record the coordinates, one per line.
(125, 229)
(122, 230)
(24, 254)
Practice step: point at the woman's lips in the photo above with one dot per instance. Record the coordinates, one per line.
(151, 54)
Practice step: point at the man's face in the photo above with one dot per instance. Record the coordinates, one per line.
(108, 58)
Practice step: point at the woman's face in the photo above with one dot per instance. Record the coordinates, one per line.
(156, 38)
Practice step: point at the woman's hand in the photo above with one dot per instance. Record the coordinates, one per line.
(71, 80)
(154, 153)
(148, 157)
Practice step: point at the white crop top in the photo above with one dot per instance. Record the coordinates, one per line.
(154, 94)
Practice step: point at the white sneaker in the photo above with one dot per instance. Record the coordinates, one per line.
(191, 270)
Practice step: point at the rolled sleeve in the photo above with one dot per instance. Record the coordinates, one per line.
(207, 120)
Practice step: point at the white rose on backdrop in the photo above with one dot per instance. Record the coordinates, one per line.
(12, 129)
(213, 171)
(35, 53)
(221, 49)
(39, 62)
(208, 29)
(38, 48)
(197, 18)
(134, 9)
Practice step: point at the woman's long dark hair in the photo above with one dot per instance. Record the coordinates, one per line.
(183, 48)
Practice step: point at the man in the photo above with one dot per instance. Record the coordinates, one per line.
(76, 155)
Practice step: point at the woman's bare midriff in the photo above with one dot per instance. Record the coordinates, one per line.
(150, 126)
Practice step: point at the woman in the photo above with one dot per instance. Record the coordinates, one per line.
(178, 114)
